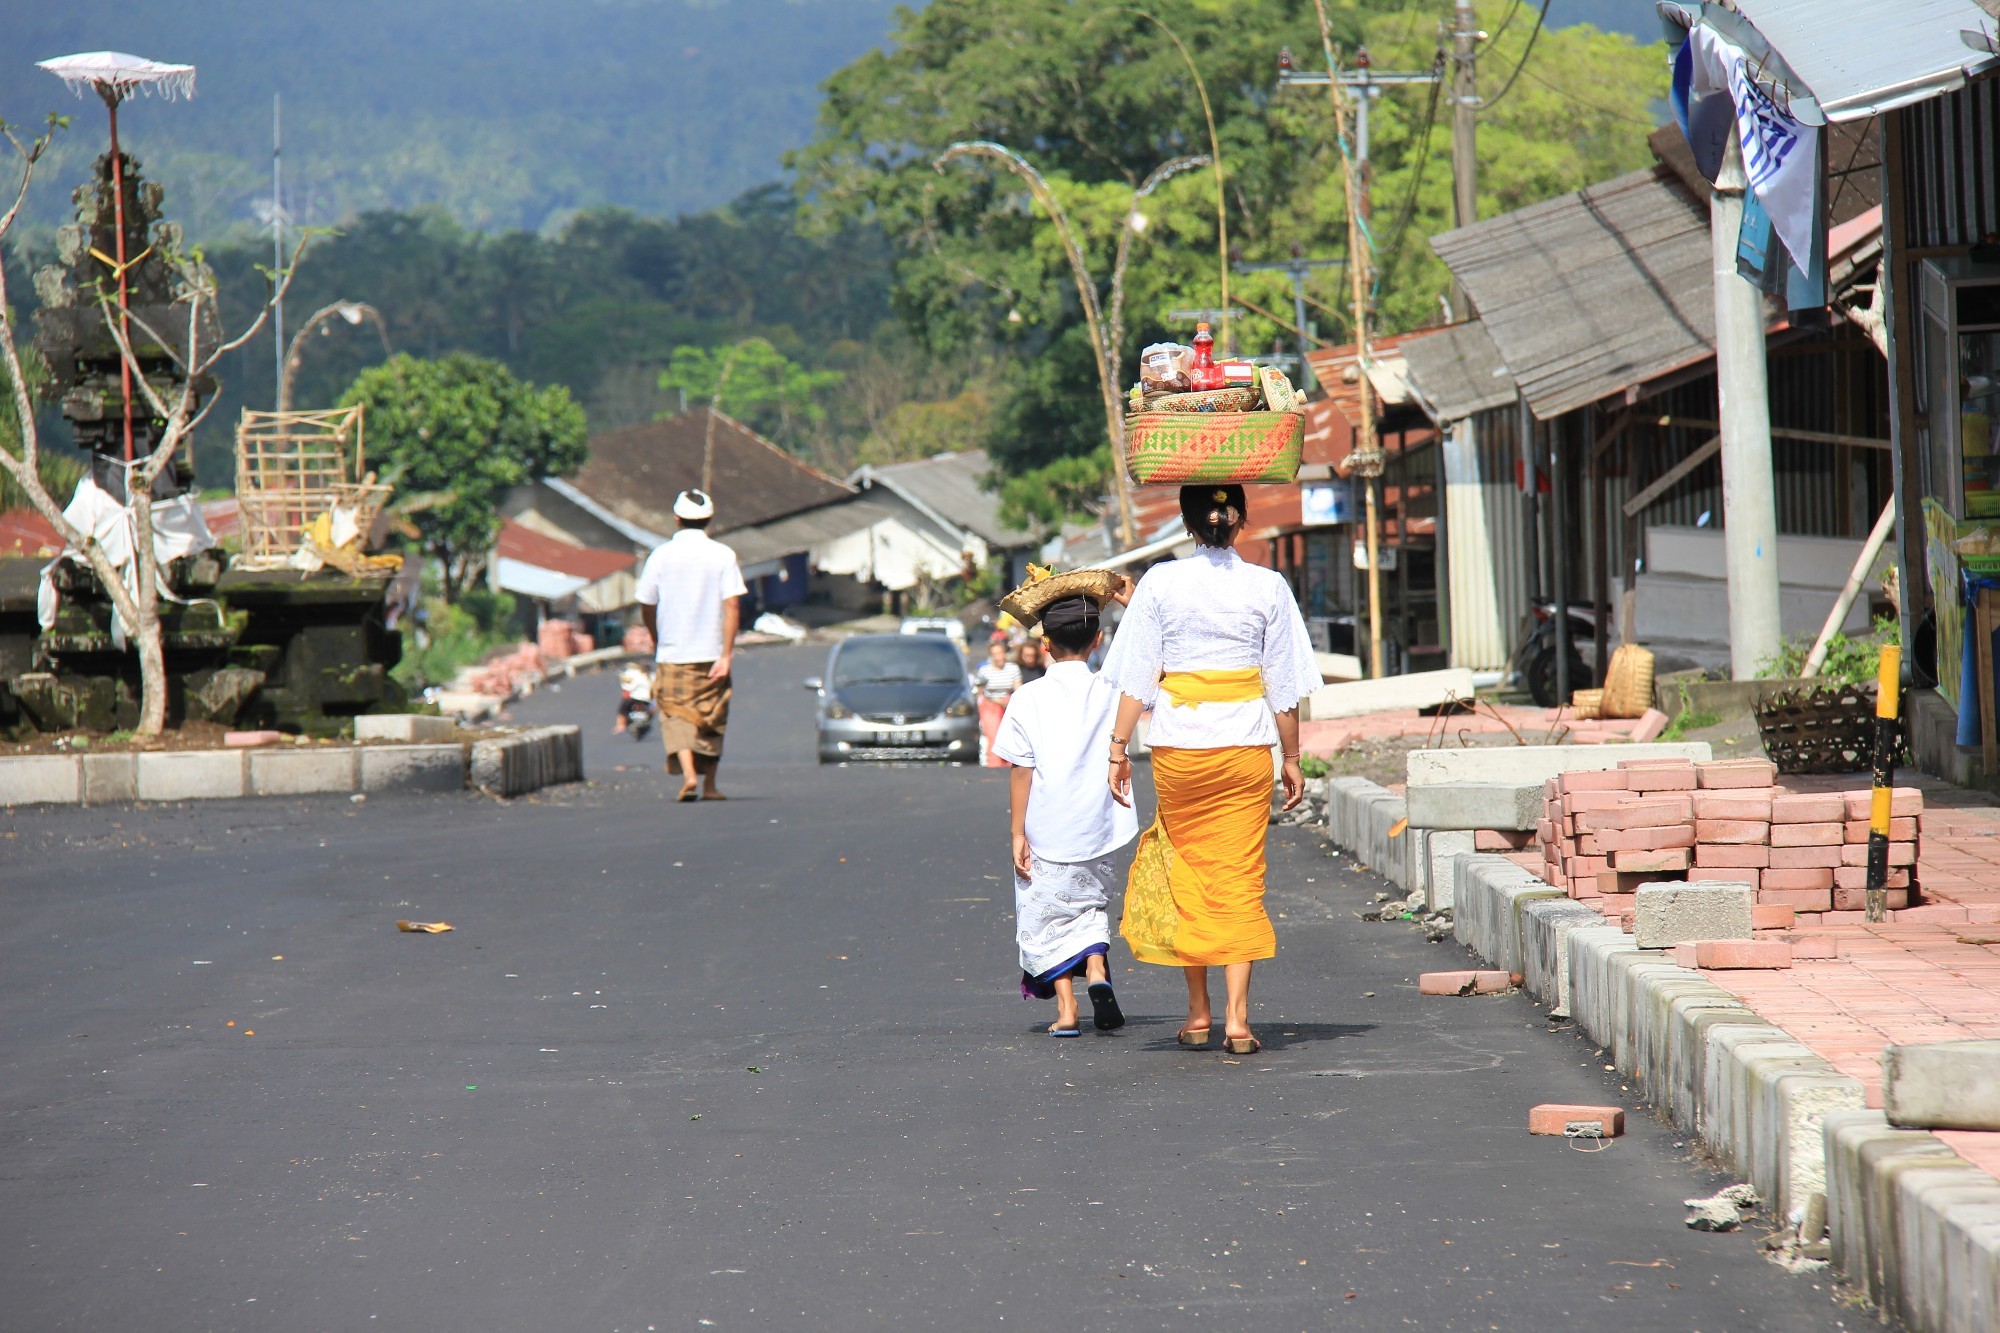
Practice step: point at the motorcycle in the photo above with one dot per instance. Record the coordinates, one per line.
(1535, 661)
(638, 716)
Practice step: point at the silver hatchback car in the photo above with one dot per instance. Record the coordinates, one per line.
(895, 696)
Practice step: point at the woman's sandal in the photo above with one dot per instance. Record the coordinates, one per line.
(1242, 1045)
(1192, 1036)
(1065, 1032)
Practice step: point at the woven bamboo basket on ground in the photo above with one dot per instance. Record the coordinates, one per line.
(1587, 704)
(1628, 682)
(1825, 729)
(1027, 602)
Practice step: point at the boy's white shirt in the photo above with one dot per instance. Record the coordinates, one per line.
(1060, 726)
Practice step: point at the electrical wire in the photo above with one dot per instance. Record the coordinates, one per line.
(1591, 106)
(1408, 210)
(1541, 20)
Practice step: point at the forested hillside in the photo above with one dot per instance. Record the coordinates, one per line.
(505, 113)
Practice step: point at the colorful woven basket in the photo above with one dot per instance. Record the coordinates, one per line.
(1188, 449)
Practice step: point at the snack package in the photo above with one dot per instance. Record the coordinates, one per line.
(1163, 367)
(1279, 395)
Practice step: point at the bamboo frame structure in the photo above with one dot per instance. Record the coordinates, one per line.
(291, 467)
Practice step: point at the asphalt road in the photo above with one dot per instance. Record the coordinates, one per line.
(763, 1064)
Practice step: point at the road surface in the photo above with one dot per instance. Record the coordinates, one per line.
(763, 1064)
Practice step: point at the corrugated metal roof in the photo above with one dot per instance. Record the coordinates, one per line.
(1860, 57)
(951, 486)
(1458, 371)
(798, 533)
(1591, 292)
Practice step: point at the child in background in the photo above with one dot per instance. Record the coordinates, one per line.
(1067, 829)
(997, 681)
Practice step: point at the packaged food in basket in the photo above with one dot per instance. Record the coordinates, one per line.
(1163, 367)
(1244, 399)
(1185, 448)
(1279, 395)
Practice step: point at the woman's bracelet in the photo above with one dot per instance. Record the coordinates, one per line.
(1291, 756)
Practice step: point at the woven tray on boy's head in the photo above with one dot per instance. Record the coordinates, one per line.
(1027, 602)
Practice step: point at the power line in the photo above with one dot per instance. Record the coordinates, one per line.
(1409, 206)
(1591, 106)
(1527, 51)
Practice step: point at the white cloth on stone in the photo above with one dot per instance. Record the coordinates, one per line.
(1213, 611)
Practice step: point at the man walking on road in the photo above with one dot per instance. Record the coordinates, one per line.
(687, 599)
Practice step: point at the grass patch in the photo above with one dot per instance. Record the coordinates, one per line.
(1314, 767)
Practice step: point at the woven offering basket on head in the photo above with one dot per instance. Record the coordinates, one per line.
(1628, 682)
(1587, 704)
(1204, 448)
(1027, 602)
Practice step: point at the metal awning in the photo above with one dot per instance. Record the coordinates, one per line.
(1457, 371)
(548, 585)
(1855, 58)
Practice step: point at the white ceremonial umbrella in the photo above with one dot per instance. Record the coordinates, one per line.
(116, 76)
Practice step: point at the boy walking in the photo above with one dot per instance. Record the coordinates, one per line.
(1066, 827)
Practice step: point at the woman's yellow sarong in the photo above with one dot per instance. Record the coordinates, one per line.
(1196, 892)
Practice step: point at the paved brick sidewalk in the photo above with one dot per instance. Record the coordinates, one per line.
(1931, 973)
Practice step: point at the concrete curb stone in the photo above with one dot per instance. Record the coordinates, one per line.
(302, 772)
(109, 777)
(385, 768)
(192, 775)
(52, 779)
(532, 759)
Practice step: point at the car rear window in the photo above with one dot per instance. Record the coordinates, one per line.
(913, 659)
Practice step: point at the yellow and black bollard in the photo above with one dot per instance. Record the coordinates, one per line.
(1888, 681)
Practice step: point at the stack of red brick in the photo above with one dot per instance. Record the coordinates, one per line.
(1649, 820)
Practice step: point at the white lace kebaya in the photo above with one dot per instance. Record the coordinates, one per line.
(1213, 611)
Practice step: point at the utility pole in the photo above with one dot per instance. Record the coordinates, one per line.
(1298, 269)
(1749, 507)
(278, 245)
(1465, 37)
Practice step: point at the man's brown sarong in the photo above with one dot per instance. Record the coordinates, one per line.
(694, 711)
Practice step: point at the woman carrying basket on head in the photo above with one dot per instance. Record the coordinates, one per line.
(1217, 648)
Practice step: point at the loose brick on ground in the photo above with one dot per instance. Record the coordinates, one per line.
(1772, 916)
(1556, 1118)
(1730, 954)
(1807, 948)
(1463, 983)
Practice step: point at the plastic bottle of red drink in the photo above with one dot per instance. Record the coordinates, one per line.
(1204, 374)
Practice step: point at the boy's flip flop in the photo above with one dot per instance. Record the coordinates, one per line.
(1065, 1032)
(1104, 1010)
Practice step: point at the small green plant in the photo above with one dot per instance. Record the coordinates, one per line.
(1689, 718)
(1849, 661)
(1314, 767)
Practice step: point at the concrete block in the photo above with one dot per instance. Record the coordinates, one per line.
(1421, 689)
(1942, 1085)
(1547, 926)
(192, 775)
(1475, 805)
(1521, 765)
(305, 771)
(40, 779)
(110, 777)
(409, 728)
(1672, 913)
(412, 767)
(530, 760)
(1441, 851)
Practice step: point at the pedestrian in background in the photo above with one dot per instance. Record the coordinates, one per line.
(997, 681)
(688, 595)
(1216, 647)
(1029, 656)
(1065, 825)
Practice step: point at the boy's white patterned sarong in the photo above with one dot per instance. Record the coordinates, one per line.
(1062, 915)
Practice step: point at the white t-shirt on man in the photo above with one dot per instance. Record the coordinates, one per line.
(1060, 726)
(688, 578)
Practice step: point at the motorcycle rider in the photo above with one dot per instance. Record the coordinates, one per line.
(635, 698)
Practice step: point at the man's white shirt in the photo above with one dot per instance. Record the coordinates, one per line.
(688, 578)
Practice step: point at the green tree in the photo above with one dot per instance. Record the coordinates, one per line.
(756, 384)
(1043, 500)
(1096, 96)
(464, 428)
